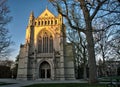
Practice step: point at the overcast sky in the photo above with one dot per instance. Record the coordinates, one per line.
(20, 11)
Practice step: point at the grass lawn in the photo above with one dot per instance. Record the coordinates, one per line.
(67, 85)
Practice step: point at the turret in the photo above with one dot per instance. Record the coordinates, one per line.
(30, 28)
(60, 18)
(31, 19)
(30, 33)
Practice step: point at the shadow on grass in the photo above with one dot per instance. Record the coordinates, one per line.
(3, 83)
(109, 79)
(67, 85)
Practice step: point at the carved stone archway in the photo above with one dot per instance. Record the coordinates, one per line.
(45, 70)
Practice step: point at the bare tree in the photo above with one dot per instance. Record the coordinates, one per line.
(102, 47)
(5, 38)
(91, 11)
(115, 45)
(80, 51)
(106, 41)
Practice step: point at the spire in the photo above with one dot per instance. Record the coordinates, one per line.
(31, 18)
(32, 14)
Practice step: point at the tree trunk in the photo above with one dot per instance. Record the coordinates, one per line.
(90, 42)
(85, 66)
(92, 61)
(84, 72)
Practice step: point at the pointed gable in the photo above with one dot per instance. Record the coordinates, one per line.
(45, 14)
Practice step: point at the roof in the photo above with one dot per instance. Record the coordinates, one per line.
(46, 13)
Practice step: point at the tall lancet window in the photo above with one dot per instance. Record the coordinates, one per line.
(40, 44)
(45, 42)
(50, 44)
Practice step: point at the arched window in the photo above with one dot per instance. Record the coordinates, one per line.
(42, 23)
(45, 42)
(55, 21)
(39, 23)
(48, 22)
(51, 22)
(40, 44)
(45, 22)
(51, 44)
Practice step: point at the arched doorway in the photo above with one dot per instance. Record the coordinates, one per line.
(44, 70)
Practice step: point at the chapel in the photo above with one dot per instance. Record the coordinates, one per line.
(46, 55)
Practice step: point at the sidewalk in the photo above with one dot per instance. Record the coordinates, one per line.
(20, 83)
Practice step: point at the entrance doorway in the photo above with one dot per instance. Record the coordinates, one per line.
(44, 70)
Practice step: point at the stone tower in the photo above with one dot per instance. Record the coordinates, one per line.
(46, 54)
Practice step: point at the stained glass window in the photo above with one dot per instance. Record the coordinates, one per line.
(45, 43)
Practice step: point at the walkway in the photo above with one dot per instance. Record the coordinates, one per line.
(20, 83)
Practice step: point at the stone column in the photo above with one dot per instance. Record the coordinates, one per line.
(34, 66)
(62, 53)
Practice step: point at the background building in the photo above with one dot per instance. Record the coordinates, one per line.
(5, 68)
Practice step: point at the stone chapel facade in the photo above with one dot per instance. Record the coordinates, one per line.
(46, 54)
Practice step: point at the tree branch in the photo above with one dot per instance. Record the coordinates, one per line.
(97, 8)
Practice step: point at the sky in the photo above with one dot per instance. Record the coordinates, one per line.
(20, 11)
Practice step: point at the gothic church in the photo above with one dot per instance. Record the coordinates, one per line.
(46, 55)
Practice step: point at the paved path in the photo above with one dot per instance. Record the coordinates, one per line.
(20, 83)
